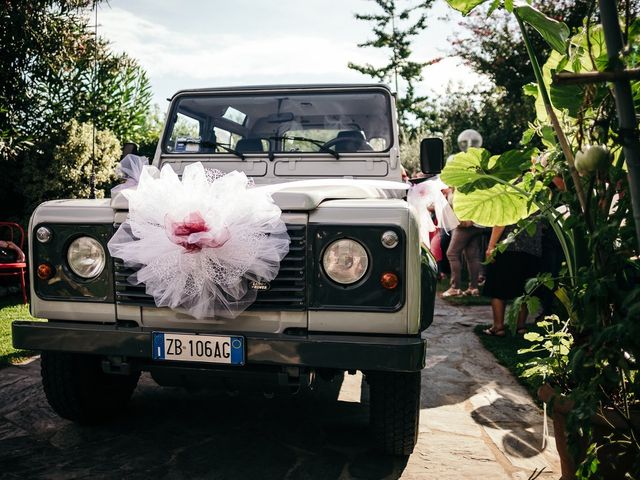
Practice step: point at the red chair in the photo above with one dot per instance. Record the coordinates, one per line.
(15, 269)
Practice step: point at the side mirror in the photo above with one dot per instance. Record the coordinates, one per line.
(431, 155)
(128, 148)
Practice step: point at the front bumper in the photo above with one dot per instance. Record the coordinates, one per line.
(345, 352)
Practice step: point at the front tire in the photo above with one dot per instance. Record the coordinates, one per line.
(395, 410)
(77, 389)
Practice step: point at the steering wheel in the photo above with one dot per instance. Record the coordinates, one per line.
(337, 141)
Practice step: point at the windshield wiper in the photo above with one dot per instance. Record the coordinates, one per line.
(310, 140)
(224, 147)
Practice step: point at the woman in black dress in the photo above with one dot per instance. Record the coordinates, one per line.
(508, 273)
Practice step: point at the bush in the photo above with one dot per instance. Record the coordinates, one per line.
(410, 155)
(69, 171)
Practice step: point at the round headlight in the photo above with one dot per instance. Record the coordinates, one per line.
(345, 261)
(86, 257)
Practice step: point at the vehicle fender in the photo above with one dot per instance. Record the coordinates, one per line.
(428, 282)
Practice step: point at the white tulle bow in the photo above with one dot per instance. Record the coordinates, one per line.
(429, 193)
(198, 241)
(130, 168)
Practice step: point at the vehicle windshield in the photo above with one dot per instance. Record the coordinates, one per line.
(250, 123)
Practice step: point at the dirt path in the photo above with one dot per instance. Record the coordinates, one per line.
(476, 422)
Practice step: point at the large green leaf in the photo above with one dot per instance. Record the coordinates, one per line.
(466, 167)
(465, 6)
(569, 97)
(554, 32)
(510, 164)
(498, 205)
(477, 169)
(481, 195)
(550, 66)
(579, 53)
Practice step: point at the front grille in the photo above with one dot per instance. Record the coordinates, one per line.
(287, 292)
(126, 293)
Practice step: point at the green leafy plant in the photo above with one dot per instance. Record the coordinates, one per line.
(552, 348)
(149, 134)
(54, 71)
(68, 173)
(589, 210)
(494, 49)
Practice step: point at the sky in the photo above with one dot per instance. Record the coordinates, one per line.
(200, 43)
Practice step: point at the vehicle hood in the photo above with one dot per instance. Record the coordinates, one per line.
(308, 195)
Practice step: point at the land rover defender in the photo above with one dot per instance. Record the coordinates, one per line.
(103, 330)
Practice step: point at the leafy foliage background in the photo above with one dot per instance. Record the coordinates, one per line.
(55, 79)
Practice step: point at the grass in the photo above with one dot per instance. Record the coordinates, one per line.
(461, 301)
(505, 349)
(12, 309)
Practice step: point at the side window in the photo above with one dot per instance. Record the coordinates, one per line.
(185, 136)
(224, 137)
(378, 144)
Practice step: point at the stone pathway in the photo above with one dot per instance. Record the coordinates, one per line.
(476, 423)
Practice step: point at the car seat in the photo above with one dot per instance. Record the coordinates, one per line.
(249, 145)
(349, 141)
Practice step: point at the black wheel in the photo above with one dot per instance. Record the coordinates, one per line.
(395, 410)
(77, 389)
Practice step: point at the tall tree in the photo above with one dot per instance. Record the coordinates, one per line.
(35, 37)
(393, 31)
(483, 111)
(95, 85)
(498, 53)
(53, 70)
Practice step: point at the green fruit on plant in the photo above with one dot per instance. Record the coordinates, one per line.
(579, 162)
(591, 158)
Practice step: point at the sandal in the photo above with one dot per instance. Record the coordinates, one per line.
(521, 331)
(452, 292)
(493, 332)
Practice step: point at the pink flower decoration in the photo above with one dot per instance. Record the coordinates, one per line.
(193, 233)
(421, 190)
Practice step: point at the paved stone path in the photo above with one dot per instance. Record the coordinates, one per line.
(476, 423)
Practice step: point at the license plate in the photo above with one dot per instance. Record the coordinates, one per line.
(184, 347)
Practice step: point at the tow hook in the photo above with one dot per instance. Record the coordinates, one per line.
(116, 366)
(295, 379)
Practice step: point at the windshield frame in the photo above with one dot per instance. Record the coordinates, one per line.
(247, 91)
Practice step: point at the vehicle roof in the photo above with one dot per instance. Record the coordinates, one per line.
(284, 87)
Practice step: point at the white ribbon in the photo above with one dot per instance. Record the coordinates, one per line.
(130, 168)
(429, 193)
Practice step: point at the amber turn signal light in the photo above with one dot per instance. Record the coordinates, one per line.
(389, 280)
(45, 271)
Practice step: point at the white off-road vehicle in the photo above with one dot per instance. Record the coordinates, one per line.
(102, 330)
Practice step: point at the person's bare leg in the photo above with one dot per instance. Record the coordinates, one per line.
(454, 254)
(472, 256)
(498, 307)
(522, 319)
